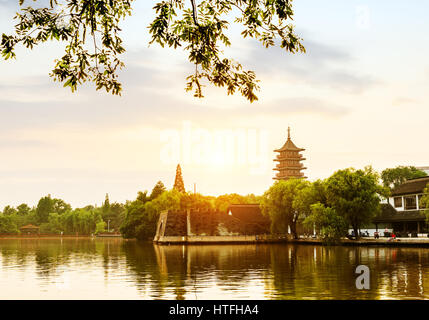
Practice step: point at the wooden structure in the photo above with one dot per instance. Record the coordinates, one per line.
(289, 161)
(241, 223)
(29, 229)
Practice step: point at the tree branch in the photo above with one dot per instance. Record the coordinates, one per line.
(194, 12)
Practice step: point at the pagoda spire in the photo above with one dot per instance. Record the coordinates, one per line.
(288, 133)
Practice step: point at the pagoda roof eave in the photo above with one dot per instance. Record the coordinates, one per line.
(285, 159)
(289, 149)
(290, 177)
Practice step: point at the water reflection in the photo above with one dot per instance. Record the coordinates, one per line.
(118, 269)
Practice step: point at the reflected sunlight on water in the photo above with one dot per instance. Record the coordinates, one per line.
(118, 269)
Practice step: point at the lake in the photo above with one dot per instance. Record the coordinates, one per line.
(119, 269)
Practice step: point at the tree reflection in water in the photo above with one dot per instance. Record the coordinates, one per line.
(271, 271)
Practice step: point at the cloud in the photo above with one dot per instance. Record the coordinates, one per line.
(154, 96)
(321, 66)
(22, 143)
(300, 105)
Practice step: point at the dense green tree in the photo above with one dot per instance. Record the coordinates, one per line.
(44, 208)
(141, 217)
(60, 206)
(168, 200)
(8, 211)
(134, 217)
(91, 32)
(143, 197)
(394, 177)
(306, 196)
(178, 181)
(222, 202)
(327, 221)
(157, 190)
(355, 195)
(100, 227)
(55, 224)
(106, 205)
(47, 205)
(117, 215)
(280, 204)
(424, 203)
(7, 225)
(80, 221)
(196, 201)
(23, 209)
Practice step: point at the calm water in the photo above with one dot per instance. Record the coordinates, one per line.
(117, 269)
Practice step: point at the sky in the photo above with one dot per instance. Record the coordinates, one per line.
(356, 98)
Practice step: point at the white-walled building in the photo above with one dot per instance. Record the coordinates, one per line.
(403, 211)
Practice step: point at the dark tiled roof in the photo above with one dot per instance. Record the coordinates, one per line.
(247, 212)
(389, 214)
(411, 186)
(29, 226)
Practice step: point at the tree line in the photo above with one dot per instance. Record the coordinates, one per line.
(348, 198)
(55, 216)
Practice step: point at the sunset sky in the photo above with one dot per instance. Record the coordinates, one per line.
(358, 97)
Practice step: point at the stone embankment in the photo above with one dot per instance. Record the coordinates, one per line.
(398, 242)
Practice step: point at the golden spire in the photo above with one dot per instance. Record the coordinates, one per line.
(288, 133)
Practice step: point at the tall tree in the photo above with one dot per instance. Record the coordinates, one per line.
(281, 205)
(142, 196)
(91, 31)
(157, 190)
(60, 206)
(355, 195)
(141, 217)
(23, 209)
(106, 205)
(178, 181)
(393, 177)
(8, 211)
(44, 208)
(330, 224)
(195, 201)
(48, 205)
(222, 202)
(7, 225)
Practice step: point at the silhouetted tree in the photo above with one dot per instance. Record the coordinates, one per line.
(93, 47)
(157, 190)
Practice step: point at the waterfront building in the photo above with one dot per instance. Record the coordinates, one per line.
(289, 160)
(403, 211)
(29, 229)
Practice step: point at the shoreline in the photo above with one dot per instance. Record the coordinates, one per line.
(382, 242)
(399, 242)
(55, 237)
(211, 240)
